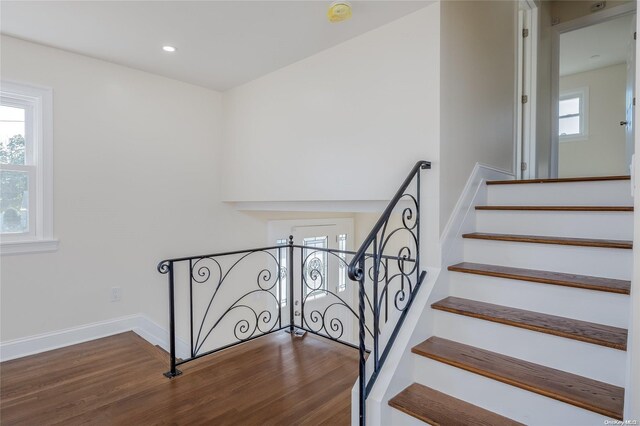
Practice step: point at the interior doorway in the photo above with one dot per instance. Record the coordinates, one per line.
(322, 284)
(593, 86)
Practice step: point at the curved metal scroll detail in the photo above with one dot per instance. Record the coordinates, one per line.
(331, 312)
(255, 320)
(163, 267)
(406, 266)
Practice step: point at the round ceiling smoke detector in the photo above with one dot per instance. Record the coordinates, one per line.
(339, 11)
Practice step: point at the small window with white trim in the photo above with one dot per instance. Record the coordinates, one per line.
(573, 117)
(342, 265)
(282, 260)
(26, 214)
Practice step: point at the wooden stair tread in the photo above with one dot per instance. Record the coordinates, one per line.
(560, 208)
(602, 398)
(559, 180)
(598, 334)
(567, 241)
(437, 408)
(546, 277)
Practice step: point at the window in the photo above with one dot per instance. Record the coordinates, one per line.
(315, 266)
(573, 115)
(282, 255)
(342, 274)
(26, 217)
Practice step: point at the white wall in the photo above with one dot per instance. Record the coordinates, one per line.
(477, 89)
(143, 162)
(345, 124)
(603, 152)
(138, 163)
(135, 167)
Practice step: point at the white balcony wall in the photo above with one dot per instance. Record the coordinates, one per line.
(346, 124)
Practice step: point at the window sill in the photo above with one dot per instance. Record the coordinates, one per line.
(28, 247)
(573, 138)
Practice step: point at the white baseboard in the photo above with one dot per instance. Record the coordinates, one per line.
(138, 323)
(156, 335)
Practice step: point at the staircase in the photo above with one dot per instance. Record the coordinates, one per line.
(533, 330)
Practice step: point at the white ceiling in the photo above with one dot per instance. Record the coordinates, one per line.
(608, 39)
(221, 44)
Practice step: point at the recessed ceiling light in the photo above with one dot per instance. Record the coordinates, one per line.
(168, 48)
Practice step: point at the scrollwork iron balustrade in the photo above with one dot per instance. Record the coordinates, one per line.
(385, 238)
(237, 312)
(215, 294)
(237, 296)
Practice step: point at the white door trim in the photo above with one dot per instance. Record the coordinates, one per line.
(556, 31)
(526, 69)
(275, 228)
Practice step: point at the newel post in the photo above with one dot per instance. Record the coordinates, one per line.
(290, 296)
(172, 325)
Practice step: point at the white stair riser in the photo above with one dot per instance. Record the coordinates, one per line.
(581, 358)
(586, 305)
(512, 402)
(600, 262)
(398, 418)
(605, 225)
(604, 193)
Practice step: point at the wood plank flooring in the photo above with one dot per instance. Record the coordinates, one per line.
(117, 380)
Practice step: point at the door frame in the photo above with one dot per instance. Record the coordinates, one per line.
(277, 229)
(274, 227)
(556, 31)
(526, 78)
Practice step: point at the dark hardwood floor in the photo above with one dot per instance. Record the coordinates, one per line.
(273, 380)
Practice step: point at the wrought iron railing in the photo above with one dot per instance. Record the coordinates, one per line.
(381, 240)
(359, 299)
(229, 298)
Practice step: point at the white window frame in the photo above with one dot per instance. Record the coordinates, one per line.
(342, 267)
(581, 93)
(39, 164)
(283, 283)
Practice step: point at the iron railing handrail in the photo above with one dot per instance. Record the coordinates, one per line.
(282, 246)
(355, 273)
(378, 239)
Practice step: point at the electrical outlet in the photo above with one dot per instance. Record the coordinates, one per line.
(116, 294)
